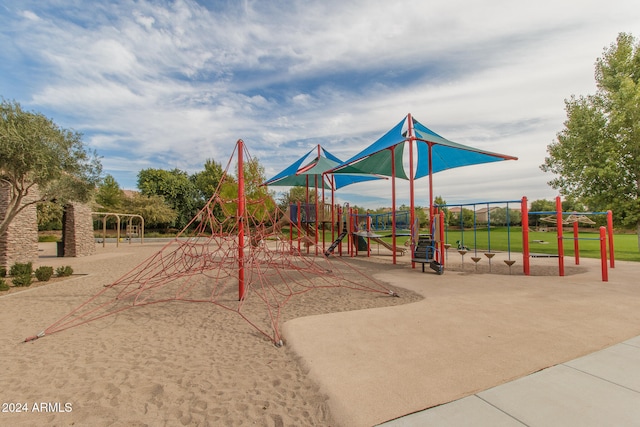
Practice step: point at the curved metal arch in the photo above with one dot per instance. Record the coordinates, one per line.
(130, 217)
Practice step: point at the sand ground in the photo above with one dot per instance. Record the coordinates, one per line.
(195, 364)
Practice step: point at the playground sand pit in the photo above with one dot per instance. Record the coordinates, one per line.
(172, 363)
(179, 363)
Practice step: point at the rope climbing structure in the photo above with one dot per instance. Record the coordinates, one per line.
(232, 255)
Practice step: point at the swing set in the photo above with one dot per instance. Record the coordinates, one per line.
(559, 217)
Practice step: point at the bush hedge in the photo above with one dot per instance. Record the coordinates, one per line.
(21, 280)
(19, 269)
(64, 271)
(43, 274)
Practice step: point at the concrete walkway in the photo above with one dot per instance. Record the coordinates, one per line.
(602, 388)
(483, 349)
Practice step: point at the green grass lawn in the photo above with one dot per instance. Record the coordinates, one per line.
(501, 239)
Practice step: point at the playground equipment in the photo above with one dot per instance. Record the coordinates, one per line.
(574, 218)
(428, 249)
(486, 212)
(132, 229)
(224, 260)
(343, 233)
(360, 230)
(367, 228)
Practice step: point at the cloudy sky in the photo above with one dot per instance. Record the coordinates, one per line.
(169, 84)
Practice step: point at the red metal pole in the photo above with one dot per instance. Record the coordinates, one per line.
(355, 229)
(333, 217)
(525, 236)
(299, 225)
(306, 212)
(340, 215)
(368, 231)
(317, 213)
(317, 205)
(393, 204)
(430, 145)
(576, 245)
(612, 262)
(441, 237)
(323, 212)
(350, 232)
(603, 254)
(240, 221)
(411, 139)
(559, 232)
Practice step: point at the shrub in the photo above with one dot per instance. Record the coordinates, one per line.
(21, 280)
(3, 272)
(20, 269)
(64, 271)
(3, 285)
(43, 274)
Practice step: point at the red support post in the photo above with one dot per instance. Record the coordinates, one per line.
(560, 238)
(393, 204)
(317, 214)
(411, 139)
(240, 221)
(354, 230)
(340, 214)
(612, 262)
(603, 254)
(524, 208)
(368, 232)
(350, 233)
(441, 237)
(299, 225)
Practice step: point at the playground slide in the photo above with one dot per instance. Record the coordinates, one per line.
(335, 243)
(388, 246)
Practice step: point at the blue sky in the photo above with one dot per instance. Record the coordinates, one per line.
(169, 84)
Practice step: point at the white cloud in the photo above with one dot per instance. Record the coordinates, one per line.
(169, 84)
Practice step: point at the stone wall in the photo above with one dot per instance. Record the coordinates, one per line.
(78, 235)
(20, 243)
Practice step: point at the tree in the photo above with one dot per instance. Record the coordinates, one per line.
(462, 218)
(419, 213)
(109, 195)
(597, 155)
(154, 209)
(260, 202)
(208, 180)
(440, 201)
(541, 205)
(49, 216)
(498, 216)
(39, 158)
(175, 187)
(296, 194)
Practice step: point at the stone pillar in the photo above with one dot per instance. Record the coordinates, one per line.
(78, 235)
(20, 243)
